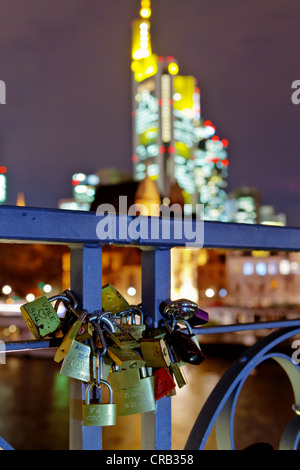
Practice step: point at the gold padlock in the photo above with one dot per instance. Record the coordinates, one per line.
(76, 364)
(129, 324)
(99, 414)
(125, 358)
(40, 317)
(155, 352)
(112, 300)
(139, 399)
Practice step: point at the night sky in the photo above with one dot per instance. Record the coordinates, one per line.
(66, 65)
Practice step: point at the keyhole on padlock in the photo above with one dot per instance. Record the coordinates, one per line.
(133, 365)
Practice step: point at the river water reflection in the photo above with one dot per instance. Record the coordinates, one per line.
(34, 406)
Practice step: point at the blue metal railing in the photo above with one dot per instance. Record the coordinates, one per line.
(78, 230)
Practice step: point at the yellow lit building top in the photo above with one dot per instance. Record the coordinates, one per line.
(145, 11)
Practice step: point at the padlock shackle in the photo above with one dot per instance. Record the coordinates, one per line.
(186, 323)
(93, 384)
(67, 296)
(133, 310)
(103, 317)
(102, 339)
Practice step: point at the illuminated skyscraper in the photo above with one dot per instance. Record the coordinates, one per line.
(171, 143)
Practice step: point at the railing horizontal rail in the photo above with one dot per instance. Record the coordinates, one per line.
(33, 345)
(28, 224)
(206, 330)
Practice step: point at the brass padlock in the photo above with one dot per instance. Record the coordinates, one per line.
(124, 340)
(155, 352)
(85, 332)
(125, 358)
(76, 364)
(99, 414)
(139, 399)
(123, 379)
(121, 338)
(40, 317)
(176, 367)
(158, 332)
(69, 338)
(112, 300)
(134, 329)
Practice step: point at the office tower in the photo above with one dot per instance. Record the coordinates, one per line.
(171, 142)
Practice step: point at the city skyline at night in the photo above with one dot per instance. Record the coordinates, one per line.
(66, 70)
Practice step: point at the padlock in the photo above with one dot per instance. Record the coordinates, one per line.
(190, 330)
(156, 333)
(85, 332)
(186, 346)
(76, 364)
(139, 399)
(199, 319)
(178, 309)
(155, 352)
(123, 379)
(69, 338)
(99, 414)
(121, 338)
(40, 317)
(176, 367)
(125, 358)
(134, 329)
(112, 300)
(164, 382)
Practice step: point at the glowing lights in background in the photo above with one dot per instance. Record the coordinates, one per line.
(210, 293)
(84, 190)
(173, 68)
(131, 291)
(222, 293)
(6, 290)
(30, 297)
(166, 111)
(141, 42)
(145, 11)
(47, 288)
(262, 268)
(284, 267)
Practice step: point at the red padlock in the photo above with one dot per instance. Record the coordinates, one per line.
(164, 382)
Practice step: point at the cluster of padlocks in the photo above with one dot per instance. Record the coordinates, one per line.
(110, 348)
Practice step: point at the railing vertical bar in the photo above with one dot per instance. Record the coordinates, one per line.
(156, 286)
(86, 283)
